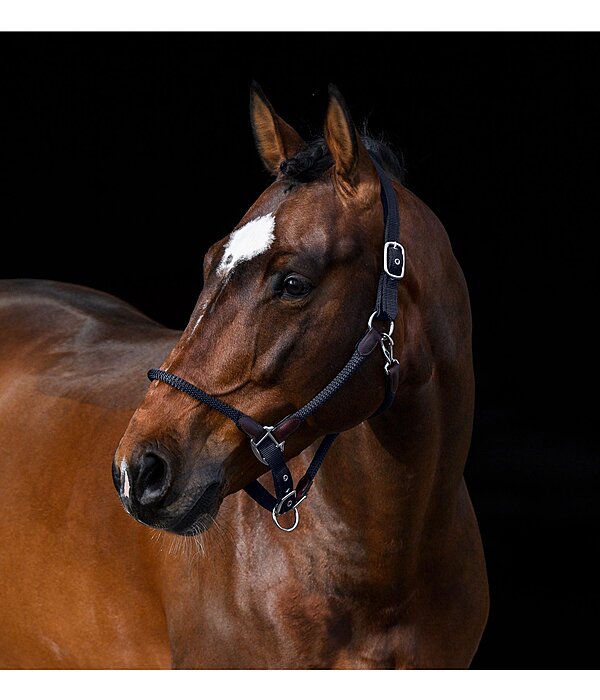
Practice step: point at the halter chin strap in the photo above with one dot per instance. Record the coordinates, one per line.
(267, 441)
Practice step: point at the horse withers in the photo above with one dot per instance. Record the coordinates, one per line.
(386, 567)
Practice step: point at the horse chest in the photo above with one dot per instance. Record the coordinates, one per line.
(314, 633)
(279, 616)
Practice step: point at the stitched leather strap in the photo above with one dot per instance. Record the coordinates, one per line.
(386, 306)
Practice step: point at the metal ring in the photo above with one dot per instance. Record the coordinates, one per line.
(390, 329)
(287, 529)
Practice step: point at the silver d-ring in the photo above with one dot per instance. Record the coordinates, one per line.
(287, 529)
(390, 329)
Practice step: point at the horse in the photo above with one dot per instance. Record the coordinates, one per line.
(180, 568)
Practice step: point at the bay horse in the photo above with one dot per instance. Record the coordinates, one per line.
(385, 569)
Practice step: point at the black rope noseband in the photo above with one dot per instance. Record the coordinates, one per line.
(267, 442)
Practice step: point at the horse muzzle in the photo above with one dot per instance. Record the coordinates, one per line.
(153, 490)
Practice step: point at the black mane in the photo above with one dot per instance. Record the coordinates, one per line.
(314, 159)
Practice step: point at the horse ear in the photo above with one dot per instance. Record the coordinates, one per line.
(354, 170)
(276, 140)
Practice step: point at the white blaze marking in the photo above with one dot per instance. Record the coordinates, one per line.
(124, 478)
(247, 242)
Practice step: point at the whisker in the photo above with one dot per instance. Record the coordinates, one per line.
(226, 531)
(198, 542)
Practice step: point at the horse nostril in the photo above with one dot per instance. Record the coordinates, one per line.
(153, 479)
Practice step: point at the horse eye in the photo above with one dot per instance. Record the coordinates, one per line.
(295, 287)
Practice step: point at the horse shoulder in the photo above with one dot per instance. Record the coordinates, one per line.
(72, 564)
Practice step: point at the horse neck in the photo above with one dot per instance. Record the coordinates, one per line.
(385, 497)
(372, 496)
(391, 489)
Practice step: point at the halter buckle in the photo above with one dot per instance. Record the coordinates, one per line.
(398, 261)
(289, 497)
(268, 434)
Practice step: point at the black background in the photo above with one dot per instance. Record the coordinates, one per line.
(109, 142)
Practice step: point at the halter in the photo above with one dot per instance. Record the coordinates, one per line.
(268, 441)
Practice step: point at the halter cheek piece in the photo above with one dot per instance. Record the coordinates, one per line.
(267, 441)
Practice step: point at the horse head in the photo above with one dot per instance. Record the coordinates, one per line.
(286, 297)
